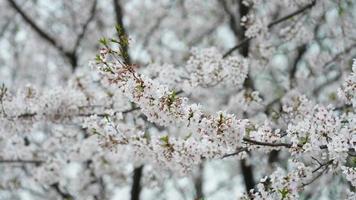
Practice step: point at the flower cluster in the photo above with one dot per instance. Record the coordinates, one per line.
(282, 185)
(314, 131)
(350, 173)
(348, 90)
(208, 68)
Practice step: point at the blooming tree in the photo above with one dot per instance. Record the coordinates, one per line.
(163, 102)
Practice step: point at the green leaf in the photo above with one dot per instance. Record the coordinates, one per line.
(98, 58)
(188, 136)
(103, 41)
(284, 192)
(165, 140)
(140, 87)
(114, 41)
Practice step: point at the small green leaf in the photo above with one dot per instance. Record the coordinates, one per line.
(188, 136)
(284, 192)
(303, 140)
(165, 140)
(140, 87)
(98, 58)
(114, 41)
(103, 41)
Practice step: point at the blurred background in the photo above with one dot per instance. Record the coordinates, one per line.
(46, 43)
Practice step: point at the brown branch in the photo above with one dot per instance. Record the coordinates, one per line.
(198, 182)
(41, 32)
(301, 50)
(337, 56)
(104, 114)
(322, 165)
(6, 25)
(70, 55)
(119, 21)
(246, 169)
(329, 81)
(242, 43)
(19, 161)
(287, 145)
(64, 195)
(350, 152)
(234, 26)
(138, 172)
(297, 12)
(85, 26)
(152, 30)
(30, 115)
(320, 174)
(136, 183)
(234, 153)
(270, 25)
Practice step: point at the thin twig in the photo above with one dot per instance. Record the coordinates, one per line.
(64, 195)
(85, 26)
(234, 153)
(321, 173)
(19, 161)
(287, 145)
(41, 32)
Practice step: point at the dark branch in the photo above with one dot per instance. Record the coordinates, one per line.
(70, 55)
(337, 56)
(19, 161)
(119, 21)
(322, 165)
(297, 12)
(6, 26)
(350, 152)
(198, 182)
(234, 26)
(242, 43)
(30, 115)
(41, 32)
(270, 25)
(85, 27)
(136, 184)
(288, 145)
(137, 176)
(64, 195)
(321, 173)
(234, 153)
(301, 50)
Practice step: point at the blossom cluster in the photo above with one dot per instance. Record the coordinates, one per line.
(348, 90)
(208, 68)
(313, 129)
(281, 184)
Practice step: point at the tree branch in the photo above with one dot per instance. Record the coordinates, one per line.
(69, 54)
(119, 21)
(234, 26)
(19, 161)
(136, 183)
(35, 27)
(350, 152)
(297, 12)
(321, 173)
(270, 25)
(198, 183)
(288, 145)
(64, 195)
(85, 27)
(301, 50)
